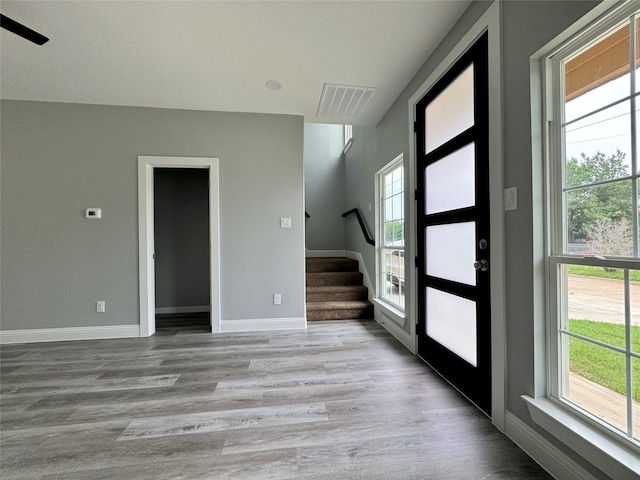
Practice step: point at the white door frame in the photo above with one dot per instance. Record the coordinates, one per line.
(146, 164)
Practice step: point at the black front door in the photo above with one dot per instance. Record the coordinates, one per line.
(454, 324)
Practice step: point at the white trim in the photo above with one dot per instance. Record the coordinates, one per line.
(37, 335)
(602, 451)
(548, 456)
(185, 309)
(324, 253)
(389, 310)
(394, 329)
(363, 269)
(262, 324)
(146, 164)
(490, 22)
(398, 161)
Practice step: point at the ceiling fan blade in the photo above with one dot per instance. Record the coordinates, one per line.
(24, 32)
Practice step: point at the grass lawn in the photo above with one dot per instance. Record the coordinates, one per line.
(601, 365)
(616, 274)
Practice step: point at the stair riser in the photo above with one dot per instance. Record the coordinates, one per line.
(321, 265)
(326, 279)
(340, 314)
(337, 296)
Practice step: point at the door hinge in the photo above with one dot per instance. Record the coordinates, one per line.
(415, 127)
(415, 194)
(416, 262)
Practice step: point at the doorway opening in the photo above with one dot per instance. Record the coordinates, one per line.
(181, 250)
(175, 256)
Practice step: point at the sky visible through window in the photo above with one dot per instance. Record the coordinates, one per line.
(606, 131)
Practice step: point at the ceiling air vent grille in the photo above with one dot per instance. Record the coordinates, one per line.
(344, 101)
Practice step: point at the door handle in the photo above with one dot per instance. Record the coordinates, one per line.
(481, 265)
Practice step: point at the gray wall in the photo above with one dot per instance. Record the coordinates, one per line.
(58, 159)
(181, 233)
(324, 186)
(526, 27)
(361, 164)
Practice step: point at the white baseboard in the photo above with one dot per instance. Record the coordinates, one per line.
(261, 324)
(324, 253)
(68, 333)
(552, 459)
(186, 309)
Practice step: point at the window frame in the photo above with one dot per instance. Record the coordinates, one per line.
(347, 131)
(380, 243)
(555, 208)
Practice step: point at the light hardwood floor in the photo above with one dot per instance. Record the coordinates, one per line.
(341, 400)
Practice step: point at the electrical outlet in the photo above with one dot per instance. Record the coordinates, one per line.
(100, 306)
(277, 299)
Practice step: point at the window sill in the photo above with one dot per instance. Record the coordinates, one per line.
(391, 312)
(599, 449)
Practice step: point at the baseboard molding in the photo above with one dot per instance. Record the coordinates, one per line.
(324, 253)
(187, 309)
(262, 324)
(37, 335)
(548, 456)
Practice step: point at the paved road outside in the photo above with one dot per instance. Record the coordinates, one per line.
(601, 299)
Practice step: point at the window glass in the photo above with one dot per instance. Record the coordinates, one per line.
(452, 251)
(594, 219)
(456, 105)
(391, 237)
(452, 323)
(599, 220)
(596, 381)
(450, 182)
(600, 144)
(598, 75)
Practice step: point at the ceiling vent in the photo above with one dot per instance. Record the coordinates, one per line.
(344, 101)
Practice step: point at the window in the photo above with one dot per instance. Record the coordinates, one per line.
(593, 175)
(348, 137)
(391, 234)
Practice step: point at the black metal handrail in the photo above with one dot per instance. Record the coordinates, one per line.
(365, 232)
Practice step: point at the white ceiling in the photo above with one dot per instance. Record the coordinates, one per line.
(214, 55)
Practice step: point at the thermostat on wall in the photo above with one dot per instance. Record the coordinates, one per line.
(94, 213)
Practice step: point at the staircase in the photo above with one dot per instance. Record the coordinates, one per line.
(335, 290)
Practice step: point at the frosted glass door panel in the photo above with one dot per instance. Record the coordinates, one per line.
(451, 252)
(450, 183)
(451, 321)
(451, 112)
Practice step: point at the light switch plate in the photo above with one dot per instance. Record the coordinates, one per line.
(93, 213)
(511, 198)
(285, 223)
